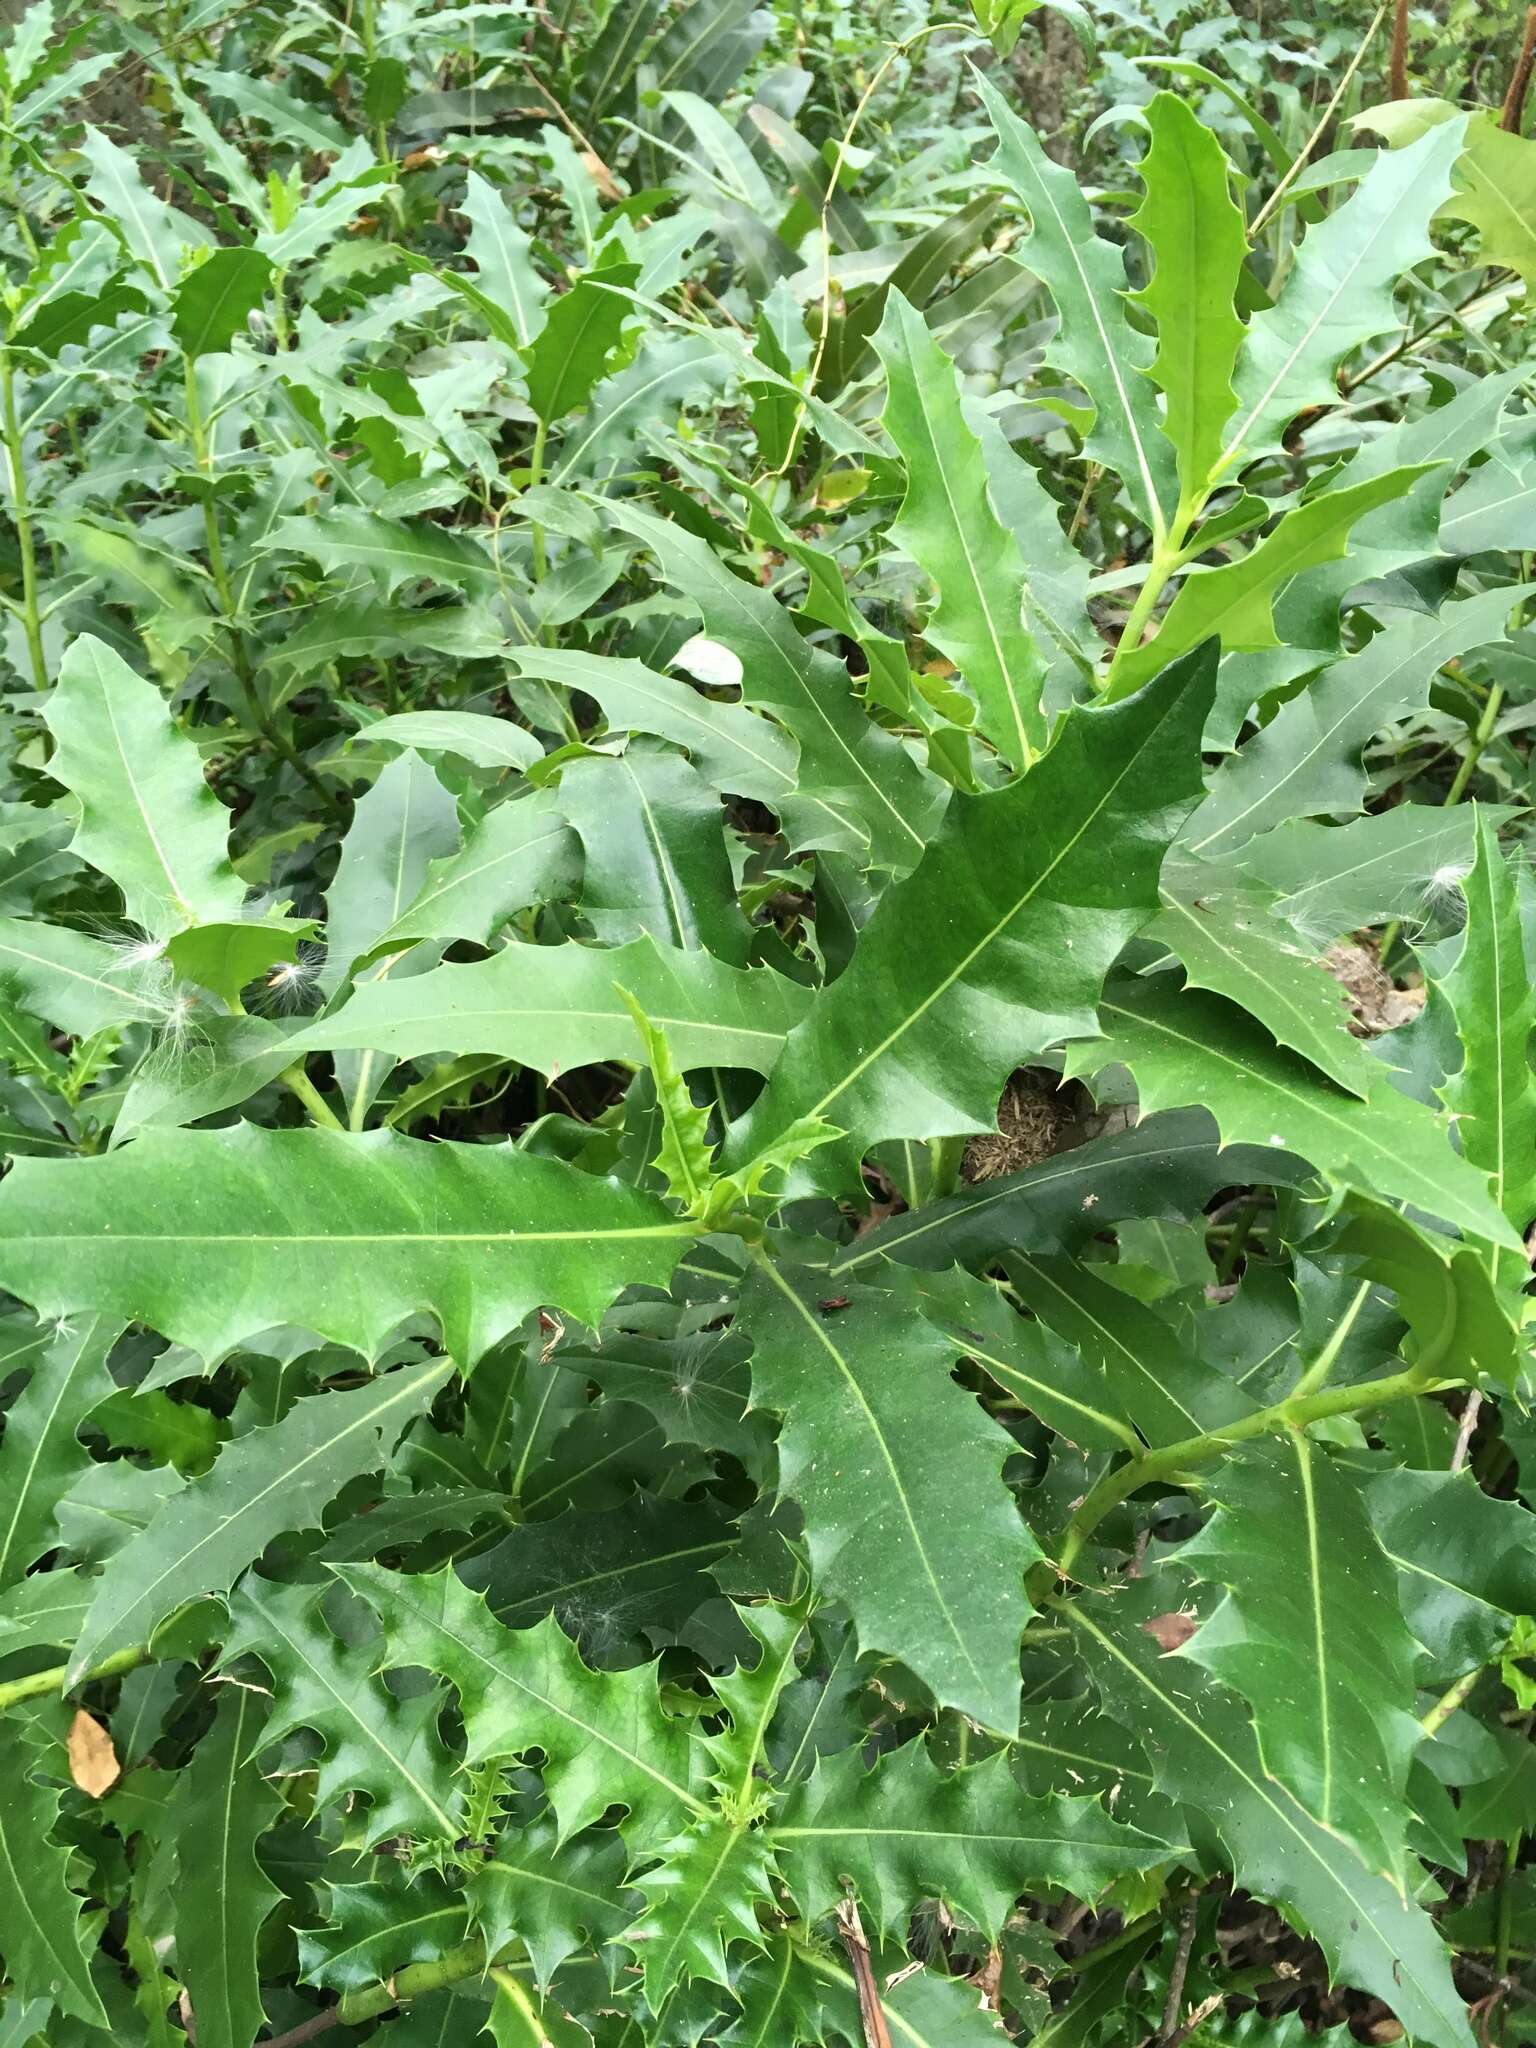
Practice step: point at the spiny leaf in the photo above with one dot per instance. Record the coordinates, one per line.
(1311, 1635)
(234, 1229)
(503, 258)
(41, 1455)
(147, 818)
(917, 1038)
(553, 1896)
(685, 1156)
(604, 1736)
(45, 1943)
(700, 1897)
(898, 1472)
(375, 1743)
(948, 526)
(272, 1479)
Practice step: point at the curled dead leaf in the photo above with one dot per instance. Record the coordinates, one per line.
(1171, 1631)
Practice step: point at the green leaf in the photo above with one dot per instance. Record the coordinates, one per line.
(41, 1455)
(503, 258)
(1306, 761)
(1234, 602)
(225, 957)
(685, 1155)
(280, 1477)
(554, 1896)
(732, 748)
(405, 822)
(965, 971)
(1496, 192)
(1493, 1096)
(580, 333)
(1231, 940)
(1150, 1371)
(949, 528)
(393, 551)
(379, 1926)
(222, 1808)
(485, 742)
(212, 302)
(1338, 878)
(850, 771)
(702, 1895)
(605, 1738)
(1199, 243)
(1311, 1635)
(375, 1742)
(1095, 342)
(1466, 1564)
(147, 818)
(1339, 292)
(1206, 1755)
(235, 1229)
(865, 1389)
(153, 233)
(43, 1939)
(1190, 1047)
(520, 853)
(559, 1007)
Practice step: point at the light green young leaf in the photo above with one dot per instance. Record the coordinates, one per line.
(503, 258)
(214, 1236)
(1095, 343)
(1339, 292)
(685, 1155)
(1311, 1635)
(520, 853)
(280, 1477)
(148, 820)
(154, 233)
(700, 1897)
(1189, 1047)
(948, 526)
(222, 1807)
(1493, 1096)
(997, 946)
(404, 823)
(485, 742)
(1235, 601)
(865, 1389)
(558, 1007)
(1199, 243)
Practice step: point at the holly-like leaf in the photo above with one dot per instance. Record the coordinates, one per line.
(272, 1479)
(1187, 1047)
(148, 820)
(559, 1007)
(1466, 1564)
(1206, 1755)
(233, 1230)
(222, 1809)
(518, 854)
(41, 1455)
(949, 527)
(1311, 1635)
(963, 972)
(213, 301)
(605, 1738)
(553, 1896)
(1199, 243)
(375, 1743)
(44, 1941)
(380, 1925)
(503, 258)
(580, 331)
(701, 1898)
(82, 984)
(906, 1831)
(487, 742)
(863, 1386)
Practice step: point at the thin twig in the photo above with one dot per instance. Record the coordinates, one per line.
(1197, 2019)
(872, 2015)
(1397, 75)
(318, 2023)
(1519, 84)
(1180, 1971)
(1469, 1415)
(1300, 161)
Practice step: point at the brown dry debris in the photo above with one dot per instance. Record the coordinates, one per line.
(1032, 1119)
(1379, 1005)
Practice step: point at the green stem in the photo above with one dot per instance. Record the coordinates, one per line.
(1482, 733)
(467, 1960)
(1505, 1924)
(1449, 1701)
(1294, 1412)
(1316, 1374)
(38, 1684)
(21, 514)
(298, 1083)
(535, 476)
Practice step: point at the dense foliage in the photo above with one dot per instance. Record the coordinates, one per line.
(765, 1001)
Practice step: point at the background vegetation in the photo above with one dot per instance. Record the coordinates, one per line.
(765, 1008)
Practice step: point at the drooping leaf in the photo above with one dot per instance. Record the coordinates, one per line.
(580, 331)
(865, 1389)
(949, 527)
(272, 1479)
(223, 1895)
(1311, 1635)
(41, 1454)
(82, 984)
(234, 1229)
(44, 1940)
(1466, 1565)
(488, 742)
(147, 818)
(918, 1037)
